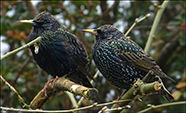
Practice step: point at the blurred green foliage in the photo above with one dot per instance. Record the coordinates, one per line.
(168, 48)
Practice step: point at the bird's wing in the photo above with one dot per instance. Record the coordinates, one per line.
(128, 51)
(75, 50)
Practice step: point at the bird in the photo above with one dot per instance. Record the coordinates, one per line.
(59, 53)
(121, 61)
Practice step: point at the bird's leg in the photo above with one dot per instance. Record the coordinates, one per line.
(46, 85)
(121, 96)
(54, 80)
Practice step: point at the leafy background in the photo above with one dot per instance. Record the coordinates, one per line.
(168, 47)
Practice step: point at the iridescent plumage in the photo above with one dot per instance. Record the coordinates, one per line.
(121, 60)
(59, 52)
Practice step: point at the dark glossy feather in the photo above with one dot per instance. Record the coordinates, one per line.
(59, 51)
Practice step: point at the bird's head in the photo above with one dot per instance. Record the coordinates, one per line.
(105, 32)
(43, 21)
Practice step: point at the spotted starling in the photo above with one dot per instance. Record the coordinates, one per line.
(121, 60)
(59, 52)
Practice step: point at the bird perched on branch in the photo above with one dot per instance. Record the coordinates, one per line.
(121, 60)
(59, 52)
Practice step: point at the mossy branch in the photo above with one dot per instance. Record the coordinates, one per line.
(140, 88)
(21, 48)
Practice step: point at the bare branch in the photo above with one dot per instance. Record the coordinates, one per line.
(154, 26)
(135, 22)
(15, 92)
(72, 99)
(21, 48)
(65, 85)
(63, 111)
(141, 88)
(162, 106)
(95, 76)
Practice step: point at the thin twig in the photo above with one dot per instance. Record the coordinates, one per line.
(63, 111)
(95, 76)
(72, 99)
(162, 106)
(154, 25)
(135, 22)
(80, 100)
(15, 92)
(21, 48)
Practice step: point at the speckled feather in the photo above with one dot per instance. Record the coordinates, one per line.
(120, 59)
(59, 51)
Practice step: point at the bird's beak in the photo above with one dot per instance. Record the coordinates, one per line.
(26, 21)
(92, 31)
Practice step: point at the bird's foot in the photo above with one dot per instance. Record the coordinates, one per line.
(46, 85)
(54, 80)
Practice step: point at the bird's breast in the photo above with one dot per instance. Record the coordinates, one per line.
(116, 71)
(53, 58)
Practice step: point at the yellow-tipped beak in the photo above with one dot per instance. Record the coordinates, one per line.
(26, 21)
(92, 31)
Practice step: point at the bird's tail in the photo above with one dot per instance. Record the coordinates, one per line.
(160, 73)
(166, 94)
(80, 78)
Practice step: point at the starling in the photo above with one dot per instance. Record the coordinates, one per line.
(59, 52)
(120, 60)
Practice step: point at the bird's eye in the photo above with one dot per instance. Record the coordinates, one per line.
(99, 31)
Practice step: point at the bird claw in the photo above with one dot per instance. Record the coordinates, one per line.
(46, 85)
(54, 80)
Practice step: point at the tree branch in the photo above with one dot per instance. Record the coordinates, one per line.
(62, 111)
(162, 106)
(154, 26)
(21, 100)
(72, 99)
(95, 76)
(141, 88)
(65, 85)
(60, 84)
(135, 22)
(21, 48)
